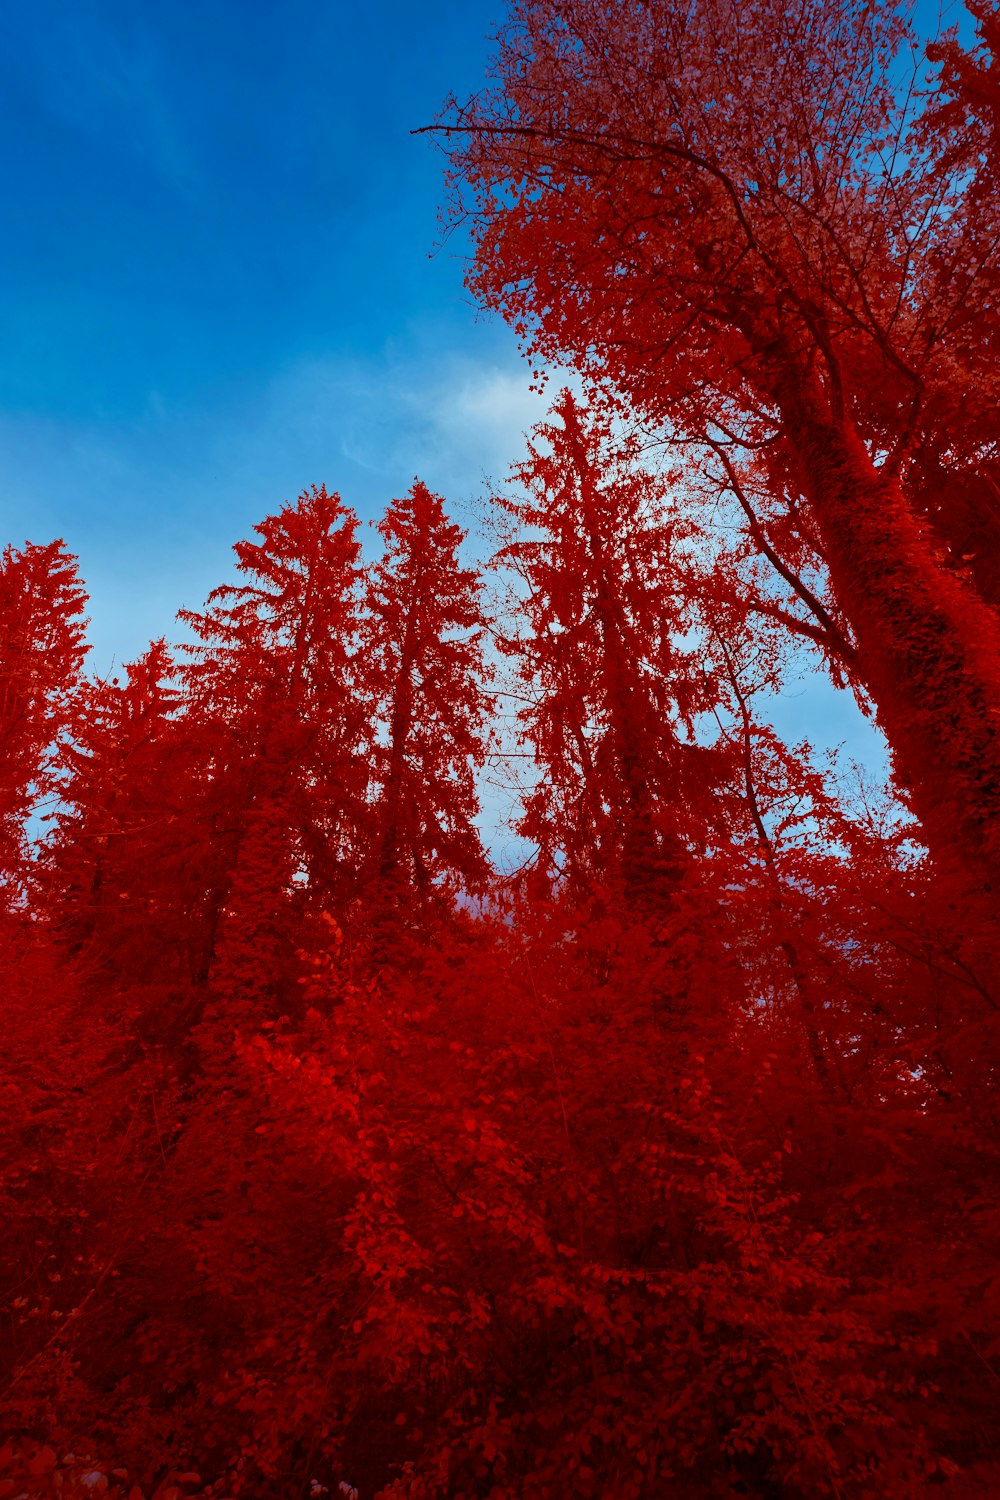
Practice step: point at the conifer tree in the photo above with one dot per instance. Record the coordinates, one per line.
(422, 646)
(272, 706)
(593, 546)
(42, 650)
(109, 878)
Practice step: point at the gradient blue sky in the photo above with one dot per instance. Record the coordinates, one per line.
(216, 281)
(217, 288)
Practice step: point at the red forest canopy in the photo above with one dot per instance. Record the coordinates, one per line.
(338, 1162)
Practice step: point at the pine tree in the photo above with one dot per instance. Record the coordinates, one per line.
(272, 706)
(104, 858)
(42, 650)
(593, 546)
(422, 646)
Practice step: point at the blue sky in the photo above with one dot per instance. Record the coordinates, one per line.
(217, 287)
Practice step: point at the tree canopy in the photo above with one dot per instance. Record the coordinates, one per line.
(339, 1161)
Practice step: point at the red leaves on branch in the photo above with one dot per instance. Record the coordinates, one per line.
(731, 213)
(663, 1167)
(337, 1163)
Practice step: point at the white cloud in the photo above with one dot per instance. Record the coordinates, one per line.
(449, 418)
(152, 507)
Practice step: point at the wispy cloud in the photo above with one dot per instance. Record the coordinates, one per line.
(451, 419)
(153, 507)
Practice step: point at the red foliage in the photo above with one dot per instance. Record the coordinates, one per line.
(41, 656)
(335, 1163)
(605, 695)
(709, 206)
(422, 645)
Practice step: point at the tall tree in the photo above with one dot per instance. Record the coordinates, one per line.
(725, 210)
(107, 875)
(422, 644)
(598, 609)
(42, 650)
(271, 699)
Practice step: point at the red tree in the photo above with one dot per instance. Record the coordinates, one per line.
(710, 207)
(115, 794)
(41, 655)
(272, 702)
(424, 667)
(598, 607)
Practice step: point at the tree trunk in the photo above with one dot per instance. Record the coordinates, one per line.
(929, 648)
